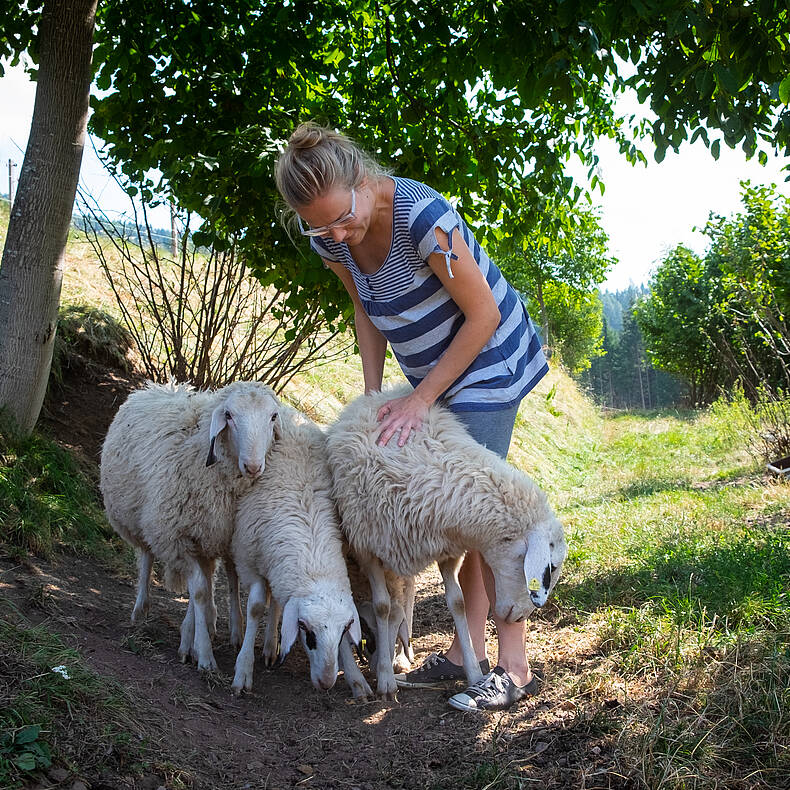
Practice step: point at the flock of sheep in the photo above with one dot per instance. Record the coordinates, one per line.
(321, 527)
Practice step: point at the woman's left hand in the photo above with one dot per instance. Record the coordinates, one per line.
(402, 415)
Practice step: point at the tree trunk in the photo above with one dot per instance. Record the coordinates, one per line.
(32, 265)
(544, 315)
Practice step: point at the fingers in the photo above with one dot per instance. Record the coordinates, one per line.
(404, 426)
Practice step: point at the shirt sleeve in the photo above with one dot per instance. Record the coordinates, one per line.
(425, 216)
(321, 246)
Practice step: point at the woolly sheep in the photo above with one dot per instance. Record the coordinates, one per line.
(173, 463)
(287, 539)
(437, 497)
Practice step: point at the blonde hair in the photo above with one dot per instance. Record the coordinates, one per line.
(318, 158)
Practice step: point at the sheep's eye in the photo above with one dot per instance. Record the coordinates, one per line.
(228, 415)
(309, 636)
(274, 416)
(553, 568)
(551, 546)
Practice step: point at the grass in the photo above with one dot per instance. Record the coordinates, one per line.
(47, 499)
(679, 565)
(45, 688)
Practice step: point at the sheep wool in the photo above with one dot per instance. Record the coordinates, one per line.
(433, 499)
(287, 535)
(162, 495)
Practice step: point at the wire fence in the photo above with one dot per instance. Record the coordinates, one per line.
(123, 224)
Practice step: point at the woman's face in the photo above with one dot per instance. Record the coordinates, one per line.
(334, 206)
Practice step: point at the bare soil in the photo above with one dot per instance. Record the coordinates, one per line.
(286, 733)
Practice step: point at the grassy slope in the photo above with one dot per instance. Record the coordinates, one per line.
(675, 585)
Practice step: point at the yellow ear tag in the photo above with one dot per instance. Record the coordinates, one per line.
(534, 584)
(362, 644)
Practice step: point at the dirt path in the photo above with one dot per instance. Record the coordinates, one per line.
(286, 733)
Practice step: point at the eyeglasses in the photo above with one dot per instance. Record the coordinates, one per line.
(324, 230)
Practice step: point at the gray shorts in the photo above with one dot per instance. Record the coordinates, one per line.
(492, 429)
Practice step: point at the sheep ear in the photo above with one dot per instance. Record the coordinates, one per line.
(290, 626)
(218, 424)
(355, 632)
(537, 561)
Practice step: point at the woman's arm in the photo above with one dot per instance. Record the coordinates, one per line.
(470, 291)
(372, 344)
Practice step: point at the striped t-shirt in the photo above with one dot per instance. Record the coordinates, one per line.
(409, 305)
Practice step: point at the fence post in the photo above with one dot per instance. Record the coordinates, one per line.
(173, 232)
(11, 166)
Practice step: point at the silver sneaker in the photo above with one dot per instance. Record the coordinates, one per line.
(495, 691)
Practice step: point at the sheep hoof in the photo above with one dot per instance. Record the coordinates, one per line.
(208, 665)
(139, 614)
(361, 691)
(183, 656)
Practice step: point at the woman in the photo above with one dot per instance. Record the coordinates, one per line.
(420, 282)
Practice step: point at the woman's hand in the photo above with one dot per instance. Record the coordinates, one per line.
(402, 415)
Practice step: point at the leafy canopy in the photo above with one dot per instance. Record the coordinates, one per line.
(486, 101)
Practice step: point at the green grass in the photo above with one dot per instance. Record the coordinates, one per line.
(679, 566)
(45, 687)
(47, 499)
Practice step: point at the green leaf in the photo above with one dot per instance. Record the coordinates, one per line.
(784, 90)
(715, 149)
(25, 762)
(28, 734)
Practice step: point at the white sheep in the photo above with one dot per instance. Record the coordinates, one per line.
(173, 464)
(287, 541)
(440, 495)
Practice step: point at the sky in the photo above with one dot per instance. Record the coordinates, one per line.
(646, 211)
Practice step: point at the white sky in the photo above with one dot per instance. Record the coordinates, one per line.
(645, 210)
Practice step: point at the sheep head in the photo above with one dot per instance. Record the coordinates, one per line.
(249, 414)
(321, 618)
(526, 568)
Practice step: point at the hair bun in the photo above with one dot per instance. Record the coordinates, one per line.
(307, 135)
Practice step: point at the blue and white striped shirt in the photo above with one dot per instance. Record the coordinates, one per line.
(409, 305)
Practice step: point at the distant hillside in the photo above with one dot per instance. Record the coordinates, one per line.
(615, 302)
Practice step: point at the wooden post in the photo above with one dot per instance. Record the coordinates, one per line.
(11, 166)
(173, 232)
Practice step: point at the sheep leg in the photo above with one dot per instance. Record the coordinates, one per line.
(408, 608)
(385, 677)
(455, 602)
(211, 609)
(145, 561)
(399, 637)
(271, 639)
(200, 589)
(245, 661)
(187, 633)
(234, 604)
(351, 671)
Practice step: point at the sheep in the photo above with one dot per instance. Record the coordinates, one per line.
(287, 543)
(173, 463)
(433, 499)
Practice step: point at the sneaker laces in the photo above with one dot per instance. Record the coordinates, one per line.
(489, 686)
(433, 660)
